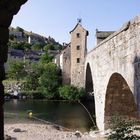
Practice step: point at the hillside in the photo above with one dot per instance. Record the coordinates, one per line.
(18, 36)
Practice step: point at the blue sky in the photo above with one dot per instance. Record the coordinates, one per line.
(56, 18)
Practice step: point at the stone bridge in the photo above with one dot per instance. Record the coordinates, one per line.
(112, 74)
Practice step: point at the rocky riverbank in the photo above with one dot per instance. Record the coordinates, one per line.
(46, 132)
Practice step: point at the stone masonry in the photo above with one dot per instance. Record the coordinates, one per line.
(66, 65)
(115, 71)
(78, 53)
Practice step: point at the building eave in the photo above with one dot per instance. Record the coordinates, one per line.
(74, 28)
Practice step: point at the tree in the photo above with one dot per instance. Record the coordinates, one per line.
(16, 70)
(49, 47)
(26, 46)
(51, 40)
(49, 81)
(58, 47)
(19, 45)
(33, 73)
(45, 58)
(36, 47)
(68, 92)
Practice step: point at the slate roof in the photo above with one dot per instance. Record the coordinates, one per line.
(103, 34)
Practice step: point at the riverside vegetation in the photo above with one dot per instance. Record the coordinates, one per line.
(38, 80)
(123, 129)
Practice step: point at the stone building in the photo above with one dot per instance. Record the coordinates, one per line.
(72, 58)
(65, 64)
(101, 35)
(78, 53)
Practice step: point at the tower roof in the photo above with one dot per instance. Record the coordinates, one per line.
(78, 24)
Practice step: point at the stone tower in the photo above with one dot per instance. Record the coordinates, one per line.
(78, 53)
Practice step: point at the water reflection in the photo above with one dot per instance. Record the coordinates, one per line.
(68, 114)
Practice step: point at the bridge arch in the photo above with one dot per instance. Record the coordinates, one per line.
(89, 81)
(119, 99)
(89, 87)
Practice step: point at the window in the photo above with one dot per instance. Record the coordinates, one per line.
(78, 60)
(78, 47)
(78, 35)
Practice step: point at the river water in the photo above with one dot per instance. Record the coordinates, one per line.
(68, 114)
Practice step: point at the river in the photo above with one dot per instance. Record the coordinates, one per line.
(68, 114)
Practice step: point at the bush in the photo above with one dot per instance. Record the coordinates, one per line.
(33, 94)
(38, 95)
(70, 92)
(122, 129)
(48, 94)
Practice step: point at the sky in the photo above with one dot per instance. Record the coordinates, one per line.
(56, 18)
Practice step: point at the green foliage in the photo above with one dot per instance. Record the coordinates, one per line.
(36, 47)
(19, 45)
(52, 45)
(58, 47)
(70, 92)
(51, 40)
(38, 95)
(26, 46)
(49, 47)
(43, 79)
(33, 73)
(49, 80)
(45, 58)
(16, 69)
(122, 129)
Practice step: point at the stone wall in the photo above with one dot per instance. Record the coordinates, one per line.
(66, 65)
(8, 8)
(120, 54)
(77, 68)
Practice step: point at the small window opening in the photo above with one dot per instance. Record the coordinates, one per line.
(78, 60)
(78, 47)
(78, 35)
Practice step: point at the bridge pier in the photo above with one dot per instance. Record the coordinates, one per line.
(99, 107)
